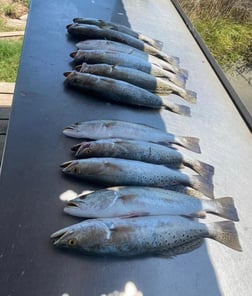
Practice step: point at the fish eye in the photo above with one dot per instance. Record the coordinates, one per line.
(72, 242)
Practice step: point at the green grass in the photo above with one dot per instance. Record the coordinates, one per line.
(9, 59)
(228, 41)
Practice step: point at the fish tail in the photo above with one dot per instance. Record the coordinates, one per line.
(190, 96)
(154, 42)
(203, 185)
(178, 79)
(225, 208)
(225, 233)
(180, 109)
(174, 60)
(204, 169)
(191, 143)
(184, 72)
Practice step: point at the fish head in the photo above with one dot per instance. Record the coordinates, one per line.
(73, 130)
(86, 236)
(83, 149)
(71, 168)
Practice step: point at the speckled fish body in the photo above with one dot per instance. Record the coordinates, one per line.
(117, 171)
(139, 78)
(82, 31)
(104, 129)
(133, 201)
(143, 151)
(153, 235)
(121, 92)
(121, 28)
(108, 45)
(100, 56)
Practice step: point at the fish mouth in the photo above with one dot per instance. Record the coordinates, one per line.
(67, 73)
(69, 26)
(72, 204)
(67, 165)
(73, 54)
(59, 235)
(79, 148)
(78, 68)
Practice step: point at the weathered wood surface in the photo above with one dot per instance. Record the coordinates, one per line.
(6, 94)
(11, 34)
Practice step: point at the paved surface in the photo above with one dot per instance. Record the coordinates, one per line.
(31, 183)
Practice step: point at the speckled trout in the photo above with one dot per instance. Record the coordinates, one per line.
(121, 92)
(114, 46)
(153, 235)
(139, 78)
(82, 31)
(121, 28)
(133, 201)
(120, 172)
(143, 151)
(104, 129)
(100, 56)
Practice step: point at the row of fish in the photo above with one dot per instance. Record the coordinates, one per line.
(116, 66)
(150, 207)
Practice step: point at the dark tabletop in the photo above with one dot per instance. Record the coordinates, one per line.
(31, 183)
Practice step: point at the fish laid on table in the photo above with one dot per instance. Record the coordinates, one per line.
(114, 46)
(143, 151)
(121, 28)
(82, 31)
(133, 201)
(121, 172)
(126, 60)
(152, 235)
(104, 129)
(121, 92)
(139, 78)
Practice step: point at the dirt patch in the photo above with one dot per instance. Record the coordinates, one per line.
(12, 9)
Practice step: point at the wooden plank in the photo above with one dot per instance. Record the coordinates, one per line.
(2, 141)
(5, 112)
(7, 87)
(11, 34)
(5, 100)
(3, 126)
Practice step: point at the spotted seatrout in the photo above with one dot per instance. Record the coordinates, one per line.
(139, 78)
(104, 129)
(133, 201)
(108, 45)
(121, 28)
(100, 56)
(117, 171)
(121, 92)
(143, 151)
(153, 235)
(82, 31)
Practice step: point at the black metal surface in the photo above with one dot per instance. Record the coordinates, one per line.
(31, 182)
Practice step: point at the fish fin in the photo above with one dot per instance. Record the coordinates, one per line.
(202, 168)
(200, 214)
(134, 214)
(178, 79)
(112, 166)
(190, 96)
(174, 165)
(184, 72)
(128, 197)
(158, 44)
(225, 208)
(190, 143)
(203, 185)
(180, 109)
(182, 249)
(225, 233)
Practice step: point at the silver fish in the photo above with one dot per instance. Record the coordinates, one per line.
(153, 235)
(138, 78)
(121, 28)
(114, 46)
(121, 92)
(104, 129)
(82, 31)
(143, 151)
(133, 201)
(126, 60)
(117, 171)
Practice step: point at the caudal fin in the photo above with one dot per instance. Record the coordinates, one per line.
(203, 185)
(189, 96)
(179, 109)
(225, 208)
(191, 143)
(225, 233)
(202, 168)
(184, 72)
